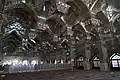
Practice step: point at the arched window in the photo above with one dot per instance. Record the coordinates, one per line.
(80, 59)
(109, 12)
(25, 62)
(80, 62)
(15, 26)
(33, 62)
(115, 60)
(96, 62)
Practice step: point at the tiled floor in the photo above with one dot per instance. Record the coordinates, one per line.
(66, 75)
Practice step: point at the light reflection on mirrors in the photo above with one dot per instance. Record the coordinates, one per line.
(25, 62)
(33, 62)
(15, 26)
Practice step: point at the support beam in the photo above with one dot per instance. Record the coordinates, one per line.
(104, 65)
(93, 5)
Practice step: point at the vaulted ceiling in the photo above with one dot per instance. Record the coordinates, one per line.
(51, 27)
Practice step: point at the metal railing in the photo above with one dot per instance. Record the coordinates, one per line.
(35, 68)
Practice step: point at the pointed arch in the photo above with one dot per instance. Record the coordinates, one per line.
(95, 62)
(115, 60)
(56, 25)
(80, 62)
(115, 56)
(25, 6)
(77, 11)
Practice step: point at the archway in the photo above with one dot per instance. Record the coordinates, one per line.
(115, 61)
(25, 6)
(24, 12)
(96, 63)
(19, 20)
(80, 63)
(56, 25)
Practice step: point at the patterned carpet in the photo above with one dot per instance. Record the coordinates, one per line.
(66, 75)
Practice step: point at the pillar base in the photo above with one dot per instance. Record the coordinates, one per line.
(87, 66)
(104, 67)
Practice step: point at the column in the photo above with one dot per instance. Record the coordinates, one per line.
(73, 54)
(2, 3)
(104, 65)
(1, 51)
(87, 63)
(1, 56)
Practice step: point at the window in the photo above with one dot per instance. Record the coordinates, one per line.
(25, 62)
(114, 63)
(80, 62)
(15, 26)
(115, 60)
(109, 12)
(96, 62)
(80, 59)
(116, 57)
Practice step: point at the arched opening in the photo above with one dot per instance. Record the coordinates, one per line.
(115, 61)
(78, 10)
(80, 63)
(19, 19)
(33, 62)
(96, 63)
(24, 12)
(56, 25)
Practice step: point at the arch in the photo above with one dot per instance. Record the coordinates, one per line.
(115, 22)
(33, 62)
(114, 17)
(56, 25)
(25, 62)
(96, 62)
(78, 27)
(115, 56)
(102, 18)
(80, 62)
(25, 6)
(10, 21)
(80, 58)
(79, 4)
(115, 60)
(77, 11)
